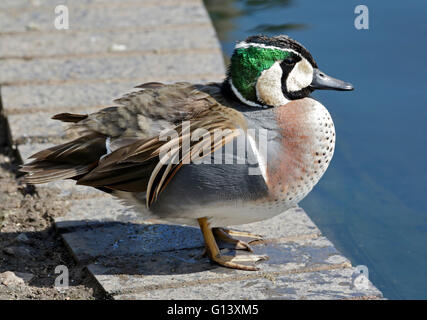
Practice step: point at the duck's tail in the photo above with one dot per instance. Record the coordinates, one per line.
(69, 160)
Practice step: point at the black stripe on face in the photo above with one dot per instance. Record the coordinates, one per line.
(286, 69)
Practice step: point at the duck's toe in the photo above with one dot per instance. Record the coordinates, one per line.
(244, 234)
(234, 262)
(224, 235)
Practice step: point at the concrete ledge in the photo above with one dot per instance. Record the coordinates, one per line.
(136, 259)
(30, 5)
(317, 285)
(57, 98)
(187, 36)
(15, 71)
(39, 127)
(97, 17)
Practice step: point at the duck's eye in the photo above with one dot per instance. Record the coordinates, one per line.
(289, 61)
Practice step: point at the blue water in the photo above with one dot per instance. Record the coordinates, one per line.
(372, 201)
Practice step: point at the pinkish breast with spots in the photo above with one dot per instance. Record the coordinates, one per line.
(307, 146)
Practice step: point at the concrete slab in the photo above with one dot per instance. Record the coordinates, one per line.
(141, 273)
(76, 97)
(158, 248)
(36, 127)
(184, 274)
(320, 285)
(115, 15)
(153, 66)
(54, 98)
(47, 4)
(136, 259)
(96, 212)
(70, 43)
(133, 259)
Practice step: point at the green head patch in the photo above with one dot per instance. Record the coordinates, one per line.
(248, 63)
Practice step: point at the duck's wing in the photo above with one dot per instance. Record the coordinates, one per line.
(149, 164)
(147, 112)
(127, 144)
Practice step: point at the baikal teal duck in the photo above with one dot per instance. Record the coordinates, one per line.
(159, 150)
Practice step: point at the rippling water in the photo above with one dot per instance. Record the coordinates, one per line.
(372, 201)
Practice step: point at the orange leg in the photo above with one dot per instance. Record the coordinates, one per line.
(214, 254)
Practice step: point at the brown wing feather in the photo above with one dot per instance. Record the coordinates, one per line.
(137, 167)
(69, 117)
(133, 128)
(68, 160)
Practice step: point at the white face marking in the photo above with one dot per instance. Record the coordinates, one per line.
(269, 86)
(300, 76)
(240, 97)
(244, 44)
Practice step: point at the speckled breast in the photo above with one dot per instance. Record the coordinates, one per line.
(307, 146)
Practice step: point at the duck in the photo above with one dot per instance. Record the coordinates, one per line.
(211, 155)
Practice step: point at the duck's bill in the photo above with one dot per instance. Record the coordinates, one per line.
(322, 81)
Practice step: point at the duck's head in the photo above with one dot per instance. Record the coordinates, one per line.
(271, 71)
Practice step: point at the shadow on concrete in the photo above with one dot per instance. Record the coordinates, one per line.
(163, 249)
(138, 249)
(37, 253)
